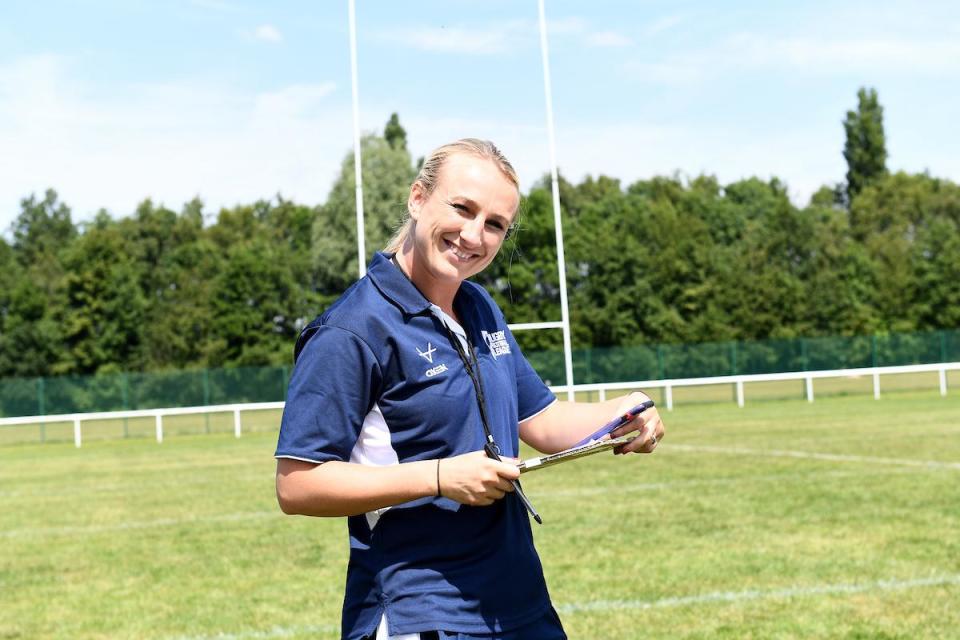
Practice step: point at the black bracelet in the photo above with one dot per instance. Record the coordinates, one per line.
(438, 478)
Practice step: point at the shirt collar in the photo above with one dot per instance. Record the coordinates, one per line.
(395, 286)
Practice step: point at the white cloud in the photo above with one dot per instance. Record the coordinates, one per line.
(490, 40)
(267, 33)
(820, 56)
(169, 141)
(632, 152)
(499, 38)
(915, 56)
(608, 39)
(566, 26)
(577, 27)
(663, 24)
(215, 5)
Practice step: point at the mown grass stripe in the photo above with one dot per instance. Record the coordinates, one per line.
(811, 455)
(254, 634)
(754, 594)
(145, 524)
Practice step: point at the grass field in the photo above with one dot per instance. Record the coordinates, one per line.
(784, 519)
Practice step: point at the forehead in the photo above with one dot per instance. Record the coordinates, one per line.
(479, 179)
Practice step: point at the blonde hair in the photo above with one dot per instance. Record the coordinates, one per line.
(430, 174)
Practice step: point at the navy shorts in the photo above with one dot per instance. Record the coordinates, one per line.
(547, 627)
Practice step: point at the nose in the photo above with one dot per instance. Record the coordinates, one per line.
(471, 233)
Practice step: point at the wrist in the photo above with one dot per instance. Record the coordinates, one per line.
(439, 489)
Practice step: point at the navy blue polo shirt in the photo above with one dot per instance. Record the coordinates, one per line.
(378, 381)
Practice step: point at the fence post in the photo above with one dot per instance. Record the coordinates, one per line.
(669, 392)
(809, 382)
(124, 395)
(943, 382)
(206, 397)
(740, 393)
(76, 431)
(159, 423)
(236, 422)
(41, 410)
(602, 394)
(876, 385)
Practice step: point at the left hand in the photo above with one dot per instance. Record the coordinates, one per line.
(648, 423)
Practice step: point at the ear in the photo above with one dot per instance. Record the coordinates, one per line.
(416, 199)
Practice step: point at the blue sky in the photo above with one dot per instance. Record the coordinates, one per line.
(110, 101)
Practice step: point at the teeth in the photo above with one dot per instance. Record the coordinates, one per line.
(460, 254)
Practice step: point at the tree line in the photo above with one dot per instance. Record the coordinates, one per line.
(668, 259)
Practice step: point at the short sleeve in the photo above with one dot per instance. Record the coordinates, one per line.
(334, 384)
(533, 396)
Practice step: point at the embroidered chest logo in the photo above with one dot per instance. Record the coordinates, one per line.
(497, 342)
(428, 354)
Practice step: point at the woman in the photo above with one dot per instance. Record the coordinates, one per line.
(397, 389)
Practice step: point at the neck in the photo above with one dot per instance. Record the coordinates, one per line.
(439, 293)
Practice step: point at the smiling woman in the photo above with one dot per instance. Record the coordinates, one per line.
(386, 422)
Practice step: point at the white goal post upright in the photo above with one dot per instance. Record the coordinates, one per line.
(555, 187)
(358, 174)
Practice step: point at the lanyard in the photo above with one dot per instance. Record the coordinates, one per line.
(473, 371)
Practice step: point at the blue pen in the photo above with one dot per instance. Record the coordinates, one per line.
(615, 424)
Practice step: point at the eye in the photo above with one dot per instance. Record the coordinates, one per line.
(496, 224)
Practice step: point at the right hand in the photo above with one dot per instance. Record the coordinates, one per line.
(476, 480)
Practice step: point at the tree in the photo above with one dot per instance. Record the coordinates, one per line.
(44, 227)
(865, 149)
(251, 301)
(395, 134)
(104, 318)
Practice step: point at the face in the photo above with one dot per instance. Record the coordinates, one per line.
(460, 226)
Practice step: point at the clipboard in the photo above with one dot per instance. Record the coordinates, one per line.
(532, 464)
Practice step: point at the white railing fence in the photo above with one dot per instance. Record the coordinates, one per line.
(601, 389)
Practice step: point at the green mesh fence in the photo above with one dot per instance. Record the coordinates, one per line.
(185, 388)
(711, 359)
(158, 389)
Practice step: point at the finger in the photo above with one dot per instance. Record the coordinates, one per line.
(644, 443)
(634, 425)
(507, 470)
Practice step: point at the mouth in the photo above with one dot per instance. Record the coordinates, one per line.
(461, 255)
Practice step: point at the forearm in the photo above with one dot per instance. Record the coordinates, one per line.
(344, 489)
(564, 424)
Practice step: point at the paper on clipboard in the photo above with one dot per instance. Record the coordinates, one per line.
(533, 464)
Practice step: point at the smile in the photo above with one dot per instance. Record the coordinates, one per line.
(459, 253)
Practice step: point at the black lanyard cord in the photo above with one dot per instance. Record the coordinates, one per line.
(473, 371)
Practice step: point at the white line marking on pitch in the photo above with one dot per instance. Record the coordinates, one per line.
(831, 457)
(711, 482)
(740, 596)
